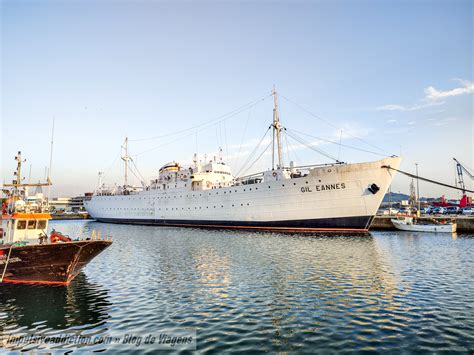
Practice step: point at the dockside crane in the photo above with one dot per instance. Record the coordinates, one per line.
(459, 169)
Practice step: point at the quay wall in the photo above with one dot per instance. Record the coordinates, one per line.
(70, 216)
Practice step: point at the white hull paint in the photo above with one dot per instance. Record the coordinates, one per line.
(329, 198)
(432, 228)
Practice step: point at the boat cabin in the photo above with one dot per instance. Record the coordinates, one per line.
(24, 227)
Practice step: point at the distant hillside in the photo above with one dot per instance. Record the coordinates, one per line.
(395, 197)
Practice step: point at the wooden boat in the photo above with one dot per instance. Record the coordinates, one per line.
(408, 223)
(57, 263)
(27, 253)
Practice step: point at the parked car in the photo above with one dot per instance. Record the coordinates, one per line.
(408, 210)
(426, 210)
(466, 211)
(439, 210)
(390, 211)
(452, 210)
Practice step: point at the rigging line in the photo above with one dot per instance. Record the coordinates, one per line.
(217, 137)
(309, 145)
(243, 136)
(253, 152)
(220, 137)
(426, 179)
(332, 125)
(219, 118)
(113, 164)
(226, 145)
(297, 158)
(187, 135)
(341, 144)
(131, 170)
(258, 158)
(174, 140)
(138, 171)
(287, 147)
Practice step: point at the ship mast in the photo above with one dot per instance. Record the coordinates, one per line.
(276, 131)
(125, 158)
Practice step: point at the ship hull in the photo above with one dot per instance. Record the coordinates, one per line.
(358, 224)
(329, 198)
(52, 264)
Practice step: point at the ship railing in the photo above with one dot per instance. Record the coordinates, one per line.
(297, 169)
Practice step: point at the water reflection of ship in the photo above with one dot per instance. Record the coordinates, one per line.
(79, 305)
(339, 266)
(343, 275)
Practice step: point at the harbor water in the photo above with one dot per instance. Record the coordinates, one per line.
(246, 291)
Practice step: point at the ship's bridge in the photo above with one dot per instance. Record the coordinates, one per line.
(211, 175)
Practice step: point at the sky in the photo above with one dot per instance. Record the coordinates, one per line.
(385, 77)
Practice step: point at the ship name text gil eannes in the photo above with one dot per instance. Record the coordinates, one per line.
(317, 198)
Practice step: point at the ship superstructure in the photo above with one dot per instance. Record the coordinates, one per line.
(325, 197)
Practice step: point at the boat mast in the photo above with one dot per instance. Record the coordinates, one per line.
(276, 131)
(418, 189)
(50, 160)
(17, 181)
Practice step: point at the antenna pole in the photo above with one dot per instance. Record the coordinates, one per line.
(50, 160)
(277, 127)
(29, 175)
(125, 158)
(418, 187)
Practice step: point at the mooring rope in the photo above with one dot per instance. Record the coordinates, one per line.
(6, 264)
(427, 180)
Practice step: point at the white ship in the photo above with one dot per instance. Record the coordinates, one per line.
(335, 197)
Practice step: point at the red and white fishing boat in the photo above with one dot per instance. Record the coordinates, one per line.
(28, 254)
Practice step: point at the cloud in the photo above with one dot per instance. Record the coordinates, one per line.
(408, 108)
(434, 94)
(444, 121)
(392, 121)
(433, 97)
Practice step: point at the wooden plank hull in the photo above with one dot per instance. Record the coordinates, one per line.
(48, 263)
